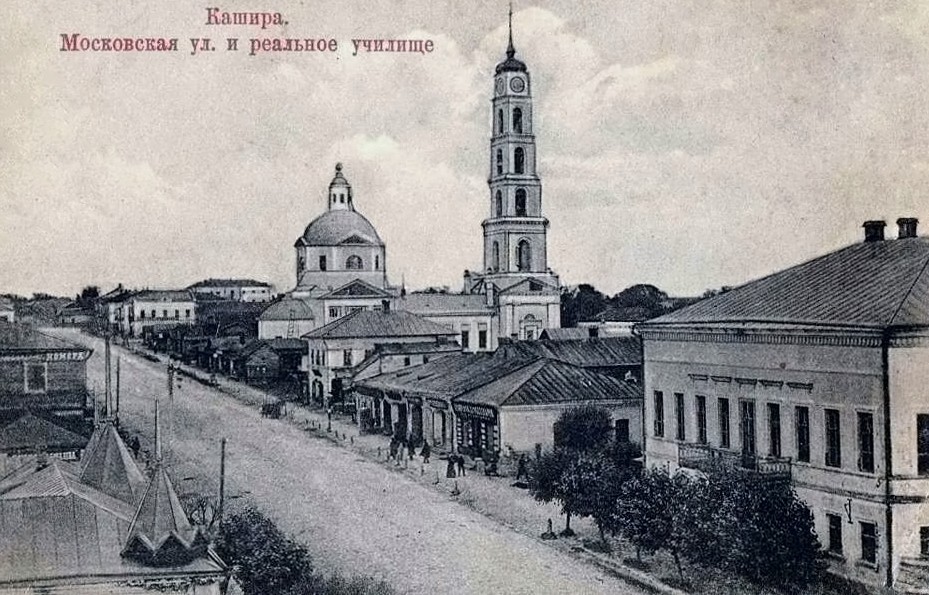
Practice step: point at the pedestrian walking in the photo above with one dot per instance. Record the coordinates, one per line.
(521, 468)
(461, 464)
(425, 452)
(393, 448)
(411, 450)
(450, 468)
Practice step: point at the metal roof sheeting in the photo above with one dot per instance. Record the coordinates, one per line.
(871, 284)
(592, 352)
(369, 323)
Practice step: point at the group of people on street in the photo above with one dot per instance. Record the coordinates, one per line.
(405, 447)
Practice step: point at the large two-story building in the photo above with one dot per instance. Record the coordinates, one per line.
(820, 374)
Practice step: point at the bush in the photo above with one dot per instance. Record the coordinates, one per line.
(265, 560)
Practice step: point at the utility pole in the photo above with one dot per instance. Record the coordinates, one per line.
(222, 480)
(117, 388)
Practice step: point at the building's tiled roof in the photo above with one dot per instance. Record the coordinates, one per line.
(21, 338)
(229, 283)
(871, 284)
(368, 323)
(41, 433)
(163, 295)
(549, 382)
(426, 304)
(588, 353)
(287, 308)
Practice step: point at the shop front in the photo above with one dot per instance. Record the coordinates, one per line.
(477, 432)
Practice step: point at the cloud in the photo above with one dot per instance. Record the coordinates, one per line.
(682, 143)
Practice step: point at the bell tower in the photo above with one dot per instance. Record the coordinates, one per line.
(515, 230)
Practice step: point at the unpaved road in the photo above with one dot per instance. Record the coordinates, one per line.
(355, 516)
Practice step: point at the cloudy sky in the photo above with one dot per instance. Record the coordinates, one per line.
(689, 144)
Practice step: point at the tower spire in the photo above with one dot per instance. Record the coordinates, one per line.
(510, 50)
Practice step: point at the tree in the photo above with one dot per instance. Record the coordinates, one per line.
(581, 303)
(594, 481)
(583, 428)
(767, 532)
(546, 485)
(648, 297)
(265, 560)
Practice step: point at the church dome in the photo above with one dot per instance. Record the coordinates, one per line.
(333, 228)
(511, 64)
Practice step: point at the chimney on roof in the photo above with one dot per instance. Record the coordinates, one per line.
(906, 227)
(385, 305)
(874, 231)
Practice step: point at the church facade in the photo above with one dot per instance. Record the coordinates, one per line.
(516, 278)
(341, 261)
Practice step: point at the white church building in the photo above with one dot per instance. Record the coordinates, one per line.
(341, 261)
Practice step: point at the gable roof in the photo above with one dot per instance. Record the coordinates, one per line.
(369, 323)
(876, 284)
(546, 382)
(356, 287)
(520, 285)
(591, 352)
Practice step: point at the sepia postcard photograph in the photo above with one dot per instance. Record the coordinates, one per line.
(478, 297)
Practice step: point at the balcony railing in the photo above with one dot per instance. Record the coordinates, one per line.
(708, 459)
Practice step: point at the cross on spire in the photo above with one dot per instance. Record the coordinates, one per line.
(510, 50)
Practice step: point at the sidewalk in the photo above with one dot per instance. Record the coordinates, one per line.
(493, 497)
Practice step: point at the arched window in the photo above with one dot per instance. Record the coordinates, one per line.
(523, 256)
(517, 120)
(520, 202)
(495, 257)
(498, 205)
(519, 160)
(499, 121)
(354, 263)
(499, 162)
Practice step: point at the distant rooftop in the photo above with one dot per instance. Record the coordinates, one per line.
(369, 323)
(229, 283)
(21, 338)
(163, 295)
